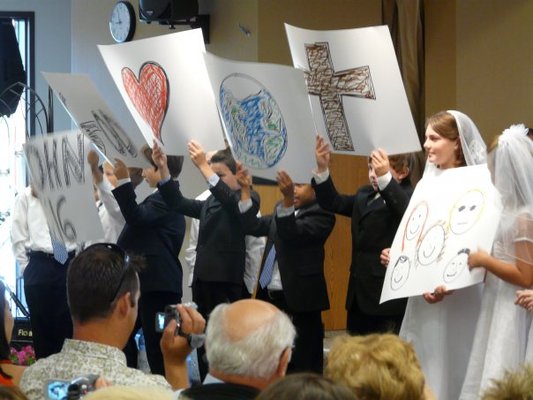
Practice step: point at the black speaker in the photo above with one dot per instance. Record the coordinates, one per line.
(11, 68)
(167, 12)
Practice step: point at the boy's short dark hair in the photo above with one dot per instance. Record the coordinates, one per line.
(225, 157)
(174, 163)
(401, 162)
(97, 277)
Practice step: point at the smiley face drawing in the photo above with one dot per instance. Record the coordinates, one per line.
(417, 220)
(431, 245)
(466, 211)
(456, 266)
(400, 273)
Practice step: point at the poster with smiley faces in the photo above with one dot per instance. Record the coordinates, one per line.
(451, 213)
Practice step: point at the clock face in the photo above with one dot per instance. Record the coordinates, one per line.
(122, 22)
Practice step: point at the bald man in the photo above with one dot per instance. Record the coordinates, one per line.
(248, 346)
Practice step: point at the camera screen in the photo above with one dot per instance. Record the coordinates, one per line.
(159, 322)
(57, 390)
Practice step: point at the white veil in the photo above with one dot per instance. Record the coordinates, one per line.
(472, 144)
(512, 168)
(474, 148)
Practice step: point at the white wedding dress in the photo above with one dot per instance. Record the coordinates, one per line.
(502, 332)
(442, 335)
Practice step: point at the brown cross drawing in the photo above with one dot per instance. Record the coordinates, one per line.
(330, 85)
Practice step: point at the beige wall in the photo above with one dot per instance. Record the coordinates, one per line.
(479, 55)
(495, 63)
(310, 14)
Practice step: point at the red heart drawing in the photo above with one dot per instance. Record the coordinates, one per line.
(149, 94)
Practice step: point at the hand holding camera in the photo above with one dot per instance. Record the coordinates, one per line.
(183, 332)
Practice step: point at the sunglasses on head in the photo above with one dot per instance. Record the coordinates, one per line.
(112, 247)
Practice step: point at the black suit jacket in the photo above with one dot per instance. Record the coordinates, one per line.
(220, 391)
(299, 241)
(156, 232)
(373, 228)
(220, 252)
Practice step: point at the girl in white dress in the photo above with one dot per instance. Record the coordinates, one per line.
(501, 339)
(442, 329)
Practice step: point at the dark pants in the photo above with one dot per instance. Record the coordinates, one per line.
(208, 295)
(359, 323)
(149, 304)
(46, 295)
(308, 352)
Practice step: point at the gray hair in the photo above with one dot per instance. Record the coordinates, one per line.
(256, 355)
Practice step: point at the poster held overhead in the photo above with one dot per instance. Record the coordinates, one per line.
(96, 120)
(356, 90)
(164, 83)
(266, 116)
(63, 181)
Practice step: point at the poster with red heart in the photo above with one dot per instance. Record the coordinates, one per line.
(164, 83)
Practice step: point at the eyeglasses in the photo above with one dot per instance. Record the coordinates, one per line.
(125, 258)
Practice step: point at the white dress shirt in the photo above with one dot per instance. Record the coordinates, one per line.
(29, 231)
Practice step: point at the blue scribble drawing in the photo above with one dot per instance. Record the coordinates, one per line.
(253, 121)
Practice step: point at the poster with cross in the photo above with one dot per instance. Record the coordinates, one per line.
(355, 88)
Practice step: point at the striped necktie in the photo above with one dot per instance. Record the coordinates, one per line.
(268, 268)
(59, 250)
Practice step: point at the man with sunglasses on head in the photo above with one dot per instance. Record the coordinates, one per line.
(103, 294)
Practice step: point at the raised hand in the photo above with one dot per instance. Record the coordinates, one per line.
(322, 154)
(158, 156)
(120, 169)
(197, 153)
(243, 176)
(380, 162)
(286, 187)
(92, 159)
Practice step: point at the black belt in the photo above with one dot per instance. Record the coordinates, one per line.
(49, 255)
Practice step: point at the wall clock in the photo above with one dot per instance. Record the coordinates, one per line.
(122, 21)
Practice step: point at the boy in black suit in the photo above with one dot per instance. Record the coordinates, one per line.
(292, 272)
(156, 232)
(376, 211)
(220, 252)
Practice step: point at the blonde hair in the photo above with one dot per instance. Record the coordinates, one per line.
(376, 367)
(130, 393)
(515, 385)
(445, 125)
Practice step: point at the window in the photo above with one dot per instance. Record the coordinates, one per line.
(13, 132)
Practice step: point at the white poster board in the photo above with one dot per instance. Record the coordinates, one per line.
(356, 90)
(452, 213)
(164, 83)
(62, 178)
(94, 118)
(266, 116)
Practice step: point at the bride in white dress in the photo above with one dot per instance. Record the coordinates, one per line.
(442, 329)
(501, 338)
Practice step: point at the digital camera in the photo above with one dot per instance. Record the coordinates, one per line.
(70, 390)
(163, 318)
